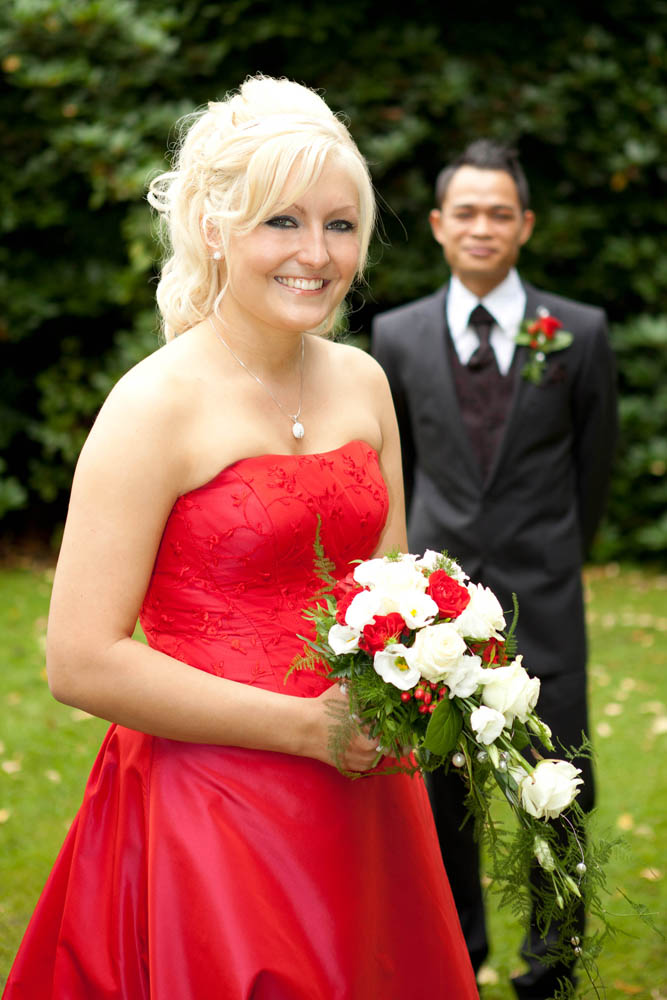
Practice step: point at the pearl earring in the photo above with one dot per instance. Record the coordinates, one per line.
(217, 255)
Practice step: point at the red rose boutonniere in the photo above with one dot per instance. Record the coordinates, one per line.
(542, 335)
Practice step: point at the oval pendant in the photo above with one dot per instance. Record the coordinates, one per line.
(298, 430)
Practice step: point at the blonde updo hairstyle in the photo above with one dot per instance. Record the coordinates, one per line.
(239, 162)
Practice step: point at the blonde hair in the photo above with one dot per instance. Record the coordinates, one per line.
(230, 173)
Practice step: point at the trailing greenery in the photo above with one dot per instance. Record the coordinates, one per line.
(93, 87)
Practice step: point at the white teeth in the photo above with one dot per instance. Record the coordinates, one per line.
(305, 284)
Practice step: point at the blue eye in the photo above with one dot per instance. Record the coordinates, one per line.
(282, 222)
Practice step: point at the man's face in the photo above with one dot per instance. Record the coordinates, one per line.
(481, 227)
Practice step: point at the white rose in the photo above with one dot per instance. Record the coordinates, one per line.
(511, 690)
(343, 639)
(363, 608)
(416, 608)
(465, 676)
(392, 666)
(436, 650)
(551, 788)
(483, 618)
(391, 576)
(487, 723)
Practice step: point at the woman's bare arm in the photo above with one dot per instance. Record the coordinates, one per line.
(129, 475)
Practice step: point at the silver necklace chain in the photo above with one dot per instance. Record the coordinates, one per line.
(298, 430)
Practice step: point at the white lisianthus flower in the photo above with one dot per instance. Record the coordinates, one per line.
(511, 690)
(363, 608)
(343, 639)
(416, 608)
(431, 559)
(391, 576)
(392, 666)
(487, 724)
(551, 788)
(436, 649)
(465, 676)
(483, 618)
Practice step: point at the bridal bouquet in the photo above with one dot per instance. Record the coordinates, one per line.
(432, 674)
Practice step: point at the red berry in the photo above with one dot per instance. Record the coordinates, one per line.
(433, 685)
(419, 693)
(428, 698)
(431, 709)
(406, 695)
(423, 709)
(441, 693)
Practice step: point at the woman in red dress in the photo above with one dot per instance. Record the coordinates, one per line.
(218, 852)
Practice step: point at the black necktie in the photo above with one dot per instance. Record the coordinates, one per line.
(481, 321)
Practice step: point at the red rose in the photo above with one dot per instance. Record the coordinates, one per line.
(493, 652)
(447, 593)
(381, 631)
(548, 325)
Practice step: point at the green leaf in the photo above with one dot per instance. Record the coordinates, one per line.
(443, 730)
(520, 737)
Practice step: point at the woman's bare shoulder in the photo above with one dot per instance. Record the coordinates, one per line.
(352, 362)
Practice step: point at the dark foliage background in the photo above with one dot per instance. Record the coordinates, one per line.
(92, 88)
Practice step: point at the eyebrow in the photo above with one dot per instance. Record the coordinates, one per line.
(474, 204)
(334, 211)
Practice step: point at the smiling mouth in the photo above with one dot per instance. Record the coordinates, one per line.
(303, 284)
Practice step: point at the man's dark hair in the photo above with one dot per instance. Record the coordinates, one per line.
(485, 154)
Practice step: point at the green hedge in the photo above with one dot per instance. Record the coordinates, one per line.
(92, 89)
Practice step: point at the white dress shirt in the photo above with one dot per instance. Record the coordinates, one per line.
(506, 303)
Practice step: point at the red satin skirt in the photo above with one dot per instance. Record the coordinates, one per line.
(199, 872)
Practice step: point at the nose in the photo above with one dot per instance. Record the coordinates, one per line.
(313, 251)
(480, 225)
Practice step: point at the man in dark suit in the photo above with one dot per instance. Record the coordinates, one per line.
(509, 476)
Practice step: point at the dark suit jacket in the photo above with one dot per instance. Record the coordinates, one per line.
(526, 527)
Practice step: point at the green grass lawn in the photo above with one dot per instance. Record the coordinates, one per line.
(46, 751)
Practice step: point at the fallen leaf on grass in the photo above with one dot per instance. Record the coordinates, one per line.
(53, 776)
(613, 709)
(603, 729)
(625, 821)
(4, 815)
(11, 766)
(487, 976)
(659, 725)
(651, 874)
(627, 988)
(644, 831)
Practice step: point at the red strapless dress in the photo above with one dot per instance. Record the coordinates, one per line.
(202, 872)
